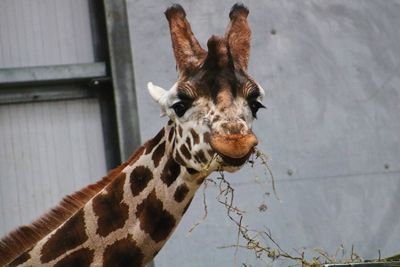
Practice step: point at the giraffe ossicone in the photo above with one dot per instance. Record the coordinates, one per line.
(126, 218)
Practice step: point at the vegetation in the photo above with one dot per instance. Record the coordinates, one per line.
(257, 240)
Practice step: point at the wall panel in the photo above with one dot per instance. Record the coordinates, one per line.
(44, 32)
(47, 150)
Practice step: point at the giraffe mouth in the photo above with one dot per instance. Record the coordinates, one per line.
(235, 162)
(234, 149)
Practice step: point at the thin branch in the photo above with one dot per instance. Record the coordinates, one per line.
(205, 214)
(257, 240)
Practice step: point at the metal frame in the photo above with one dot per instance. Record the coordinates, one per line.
(112, 52)
(43, 74)
(29, 93)
(122, 76)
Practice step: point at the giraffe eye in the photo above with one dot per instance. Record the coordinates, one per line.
(180, 108)
(255, 106)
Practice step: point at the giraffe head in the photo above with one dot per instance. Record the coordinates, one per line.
(214, 102)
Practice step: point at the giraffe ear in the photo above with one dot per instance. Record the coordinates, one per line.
(156, 92)
(188, 52)
(238, 36)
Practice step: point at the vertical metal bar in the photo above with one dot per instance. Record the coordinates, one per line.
(122, 76)
(98, 29)
(109, 124)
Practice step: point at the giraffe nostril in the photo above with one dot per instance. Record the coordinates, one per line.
(233, 128)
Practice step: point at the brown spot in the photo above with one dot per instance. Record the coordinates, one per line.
(200, 157)
(180, 131)
(179, 158)
(139, 178)
(196, 138)
(187, 206)
(181, 192)
(189, 143)
(170, 122)
(124, 252)
(170, 172)
(111, 211)
(201, 180)
(216, 118)
(158, 154)
(207, 137)
(210, 152)
(185, 152)
(192, 171)
(155, 141)
(173, 144)
(170, 135)
(82, 258)
(21, 259)
(154, 219)
(67, 237)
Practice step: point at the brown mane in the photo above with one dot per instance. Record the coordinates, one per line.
(24, 237)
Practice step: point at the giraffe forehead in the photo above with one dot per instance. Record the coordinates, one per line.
(216, 85)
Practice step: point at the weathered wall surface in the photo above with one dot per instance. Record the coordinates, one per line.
(331, 70)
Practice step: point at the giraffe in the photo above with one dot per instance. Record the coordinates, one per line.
(126, 218)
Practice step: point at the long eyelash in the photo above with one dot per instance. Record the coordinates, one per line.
(184, 97)
(253, 93)
(258, 106)
(262, 105)
(187, 91)
(251, 89)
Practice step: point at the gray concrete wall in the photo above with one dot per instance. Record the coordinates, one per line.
(332, 76)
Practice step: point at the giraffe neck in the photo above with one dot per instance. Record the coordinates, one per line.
(127, 222)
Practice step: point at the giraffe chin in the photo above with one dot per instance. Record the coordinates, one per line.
(233, 164)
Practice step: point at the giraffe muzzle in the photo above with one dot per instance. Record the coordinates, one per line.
(234, 148)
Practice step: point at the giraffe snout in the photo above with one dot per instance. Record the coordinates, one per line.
(233, 128)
